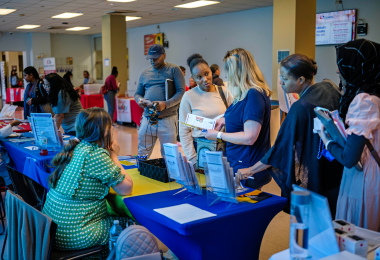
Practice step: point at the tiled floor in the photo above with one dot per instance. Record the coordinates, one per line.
(276, 237)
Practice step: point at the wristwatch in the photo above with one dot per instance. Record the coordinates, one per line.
(219, 136)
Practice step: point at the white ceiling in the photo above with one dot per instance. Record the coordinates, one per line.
(39, 12)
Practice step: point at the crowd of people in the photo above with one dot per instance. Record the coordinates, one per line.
(88, 166)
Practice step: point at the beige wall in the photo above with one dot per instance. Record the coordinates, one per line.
(12, 60)
(114, 42)
(293, 30)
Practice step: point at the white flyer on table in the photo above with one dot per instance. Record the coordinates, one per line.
(216, 170)
(200, 122)
(184, 213)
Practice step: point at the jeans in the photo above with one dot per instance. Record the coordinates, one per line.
(110, 99)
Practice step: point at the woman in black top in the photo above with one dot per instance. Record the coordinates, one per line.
(35, 95)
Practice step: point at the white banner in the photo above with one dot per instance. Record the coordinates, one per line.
(49, 65)
(22, 94)
(12, 93)
(123, 110)
(3, 89)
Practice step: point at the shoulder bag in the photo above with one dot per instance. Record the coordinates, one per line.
(103, 89)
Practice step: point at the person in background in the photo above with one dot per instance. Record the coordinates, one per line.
(151, 89)
(247, 120)
(204, 100)
(87, 80)
(183, 69)
(35, 95)
(112, 88)
(215, 75)
(359, 195)
(65, 102)
(295, 156)
(13, 79)
(68, 77)
(192, 83)
(84, 171)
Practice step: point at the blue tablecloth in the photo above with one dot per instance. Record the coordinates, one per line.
(29, 162)
(235, 233)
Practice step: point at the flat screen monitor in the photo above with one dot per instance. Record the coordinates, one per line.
(335, 27)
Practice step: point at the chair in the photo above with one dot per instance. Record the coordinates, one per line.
(35, 195)
(2, 207)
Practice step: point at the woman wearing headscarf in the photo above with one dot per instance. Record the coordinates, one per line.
(359, 71)
(64, 100)
(294, 157)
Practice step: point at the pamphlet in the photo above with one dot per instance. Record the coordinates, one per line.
(184, 213)
(216, 171)
(43, 123)
(199, 122)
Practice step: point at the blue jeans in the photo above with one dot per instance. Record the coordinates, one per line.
(110, 99)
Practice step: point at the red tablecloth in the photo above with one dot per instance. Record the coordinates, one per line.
(22, 128)
(92, 101)
(136, 112)
(14, 95)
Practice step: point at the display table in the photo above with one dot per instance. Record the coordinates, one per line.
(15, 95)
(136, 112)
(373, 236)
(95, 100)
(21, 128)
(235, 233)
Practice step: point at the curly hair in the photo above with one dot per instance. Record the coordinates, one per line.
(57, 83)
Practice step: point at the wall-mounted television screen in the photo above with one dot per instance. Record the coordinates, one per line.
(335, 27)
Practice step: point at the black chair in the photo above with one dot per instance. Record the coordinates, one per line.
(2, 207)
(35, 195)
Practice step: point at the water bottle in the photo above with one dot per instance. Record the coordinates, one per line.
(299, 225)
(43, 144)
(114, 233)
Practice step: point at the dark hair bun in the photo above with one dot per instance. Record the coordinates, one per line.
(114, 70)
(193, 57)
(299, 65)
(314, 66)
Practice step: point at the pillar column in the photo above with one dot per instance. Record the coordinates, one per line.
(293, 30)
(114, 47)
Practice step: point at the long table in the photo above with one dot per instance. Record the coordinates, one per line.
(235, 233)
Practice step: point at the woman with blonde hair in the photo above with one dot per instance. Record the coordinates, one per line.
(296, 157)
(247, 119)
(84, 171)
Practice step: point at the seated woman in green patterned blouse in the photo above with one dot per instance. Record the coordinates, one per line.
(84, 172)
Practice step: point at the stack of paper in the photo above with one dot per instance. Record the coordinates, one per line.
(220, 176)
(180, 169)
(185, 213)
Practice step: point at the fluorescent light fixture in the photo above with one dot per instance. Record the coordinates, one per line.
(197, 4)
(121, 1)
(78, 28)
(131, 18)
(67, 15)
(28, 26)
(7, 11)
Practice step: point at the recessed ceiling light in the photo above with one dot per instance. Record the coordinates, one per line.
(67, 15)
(131, 18)
(197, 4)
(28, 26)
(78, 28)
(7, 11)
(121, 1)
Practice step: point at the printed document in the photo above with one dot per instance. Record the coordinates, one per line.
(200, 122)
(216, 170)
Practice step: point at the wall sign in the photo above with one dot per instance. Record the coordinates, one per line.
(49, 65)
(152, 39)
(2, 73)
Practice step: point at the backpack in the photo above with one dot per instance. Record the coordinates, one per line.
(135, 242)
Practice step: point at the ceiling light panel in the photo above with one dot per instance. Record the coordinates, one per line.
(78, 28)
(131, 18)
(28, 26)
(121, 1)
(67, 15)
(6, 11)
(197, 4)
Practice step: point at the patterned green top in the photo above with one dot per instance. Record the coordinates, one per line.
(77, 204)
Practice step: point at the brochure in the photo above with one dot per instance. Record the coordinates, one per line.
(199, 122)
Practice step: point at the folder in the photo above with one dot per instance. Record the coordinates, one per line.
(169, 89)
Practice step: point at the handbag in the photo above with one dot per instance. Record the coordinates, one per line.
(103, 89)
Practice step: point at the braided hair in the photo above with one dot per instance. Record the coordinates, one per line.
(359, 64)
(57, 84)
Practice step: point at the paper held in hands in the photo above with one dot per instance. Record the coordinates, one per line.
(201, 122)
